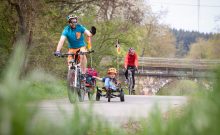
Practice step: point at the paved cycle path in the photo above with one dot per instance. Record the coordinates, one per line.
(134, 107)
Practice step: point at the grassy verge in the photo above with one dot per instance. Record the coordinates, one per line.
(48, 90)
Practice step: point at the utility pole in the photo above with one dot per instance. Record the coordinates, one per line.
(198, 17)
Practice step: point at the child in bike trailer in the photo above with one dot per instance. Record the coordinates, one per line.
(110, 81)
(90, 81)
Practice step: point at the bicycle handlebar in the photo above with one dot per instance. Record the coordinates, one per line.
(132, 69)
(78, 53)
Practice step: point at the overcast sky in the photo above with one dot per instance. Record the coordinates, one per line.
(184, 14)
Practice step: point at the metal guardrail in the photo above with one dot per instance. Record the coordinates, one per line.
(175, 67)
(177, 63)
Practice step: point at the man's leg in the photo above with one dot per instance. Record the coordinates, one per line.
(133, 73)
(70, 57)
(126, 74)
(83, 63)
(83, 60)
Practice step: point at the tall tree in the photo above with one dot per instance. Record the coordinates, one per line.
(24, 13)
(132, 10)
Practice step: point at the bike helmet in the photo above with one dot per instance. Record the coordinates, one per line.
(72, 17)
(131, 49)
(112, 70)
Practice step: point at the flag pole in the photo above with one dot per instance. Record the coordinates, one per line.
(118, 52)
(89, 40)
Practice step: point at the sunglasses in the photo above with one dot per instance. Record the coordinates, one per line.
(73, 22)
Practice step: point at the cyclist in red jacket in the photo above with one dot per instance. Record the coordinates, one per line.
(131, 62)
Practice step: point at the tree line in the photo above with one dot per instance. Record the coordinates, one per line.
(184, 40)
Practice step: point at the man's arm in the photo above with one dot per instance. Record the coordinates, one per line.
(126, 61)
(136, 61)
(88, 33)
(60, 43)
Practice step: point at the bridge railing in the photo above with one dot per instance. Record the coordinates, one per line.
(175, 67)
(198, 64)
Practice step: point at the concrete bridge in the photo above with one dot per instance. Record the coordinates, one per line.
(174, 67)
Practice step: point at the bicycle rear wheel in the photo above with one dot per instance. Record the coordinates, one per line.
(90, 92)
(81, 94)
(122, 98)
(80, 88)
(109, 95)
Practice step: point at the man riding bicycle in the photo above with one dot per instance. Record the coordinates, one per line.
(131, 62)
(74, 33)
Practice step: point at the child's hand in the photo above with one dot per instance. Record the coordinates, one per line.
(94, 77)
(118, 83)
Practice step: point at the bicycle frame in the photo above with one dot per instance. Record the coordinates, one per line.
(77, 72)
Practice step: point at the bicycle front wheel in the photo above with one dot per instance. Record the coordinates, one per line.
(130, 84)
(70, 89)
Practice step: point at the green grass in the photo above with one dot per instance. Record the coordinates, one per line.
(18, 109)
(48, 90)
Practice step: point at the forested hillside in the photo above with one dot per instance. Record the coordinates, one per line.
(184, 40)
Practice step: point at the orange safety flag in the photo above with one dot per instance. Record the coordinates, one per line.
(118, 47)
(89, 43)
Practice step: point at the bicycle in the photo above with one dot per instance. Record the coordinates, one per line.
(130, 81)
(76, 87)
